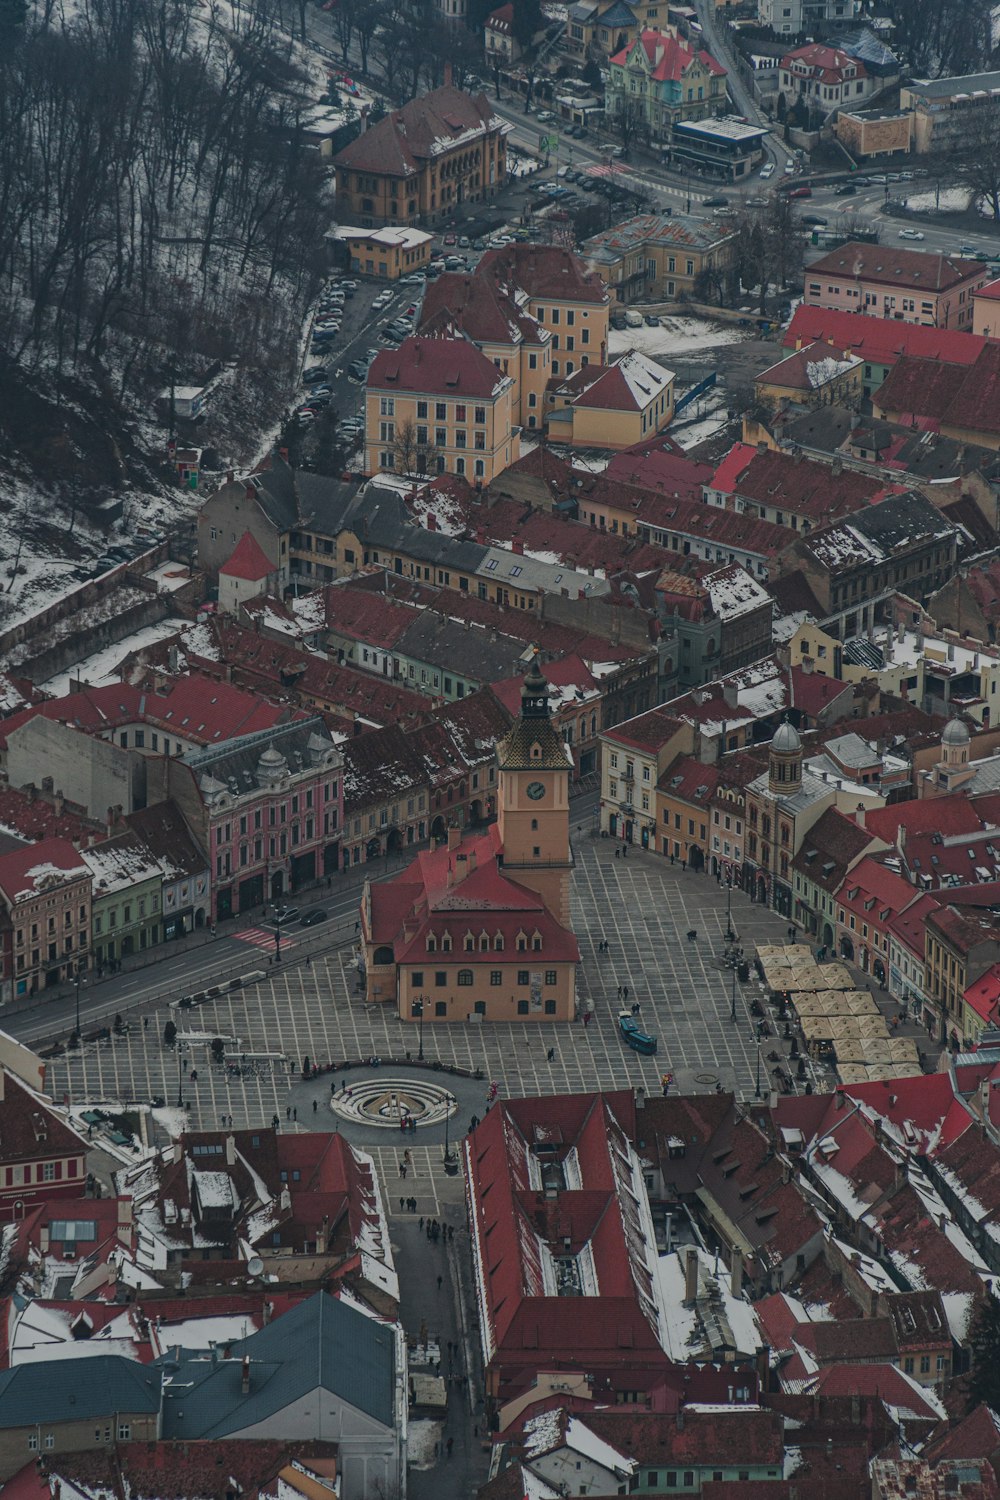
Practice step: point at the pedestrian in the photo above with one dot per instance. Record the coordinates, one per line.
(402, 1170)
(295, 1113)
(440, 1280)
(619, 992)
(315, 1106)
(230, 1122)
(401, 1205)
(624, 851)
(449, 1445)
(617, 852)
(145, 1023)
(551, 1053)
(223, 1121)
(288, 1112)
(421, 1221)
(624, 991)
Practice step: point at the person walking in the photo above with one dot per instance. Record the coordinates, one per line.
(315, 1106)
(440, 1282)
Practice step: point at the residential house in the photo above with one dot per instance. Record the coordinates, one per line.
(959, 401)
(266, 808)
(812, 376)
(126, 913)
(868, 900)
(960, 946)
(45, 905)
(562, 294)
(830, 850)
(47, 1409)
(660, 78)
(909, 286)
(728, 806)
(906, 957)
(245, 574)
(792, 17)
(439, 405)
(824, 78)
(683, 801)
(854, 567)
(324, 1366)
(880, 342)
(790, 489)
(659, 257)
(597, 29)
(386, 794)
(485, 308)
(493, 910)
(502, 46)
(986, 317)
(634, 755)
(185, 896)
(418, 164)
(610, 406)
(41, 1156)
(387, 254)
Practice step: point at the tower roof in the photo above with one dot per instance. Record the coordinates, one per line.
(532, 742)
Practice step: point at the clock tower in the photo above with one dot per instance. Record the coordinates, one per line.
(533, 800)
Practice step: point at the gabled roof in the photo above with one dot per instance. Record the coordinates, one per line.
(880, 341)
(631, 384)
(26, 872)
(544, 271)
(53, 1391)
(809, 369)
(668, 56)
(802, 486)
(822, 63)
(482, 306)
(887, 265)
(829, 848)
(437, 367)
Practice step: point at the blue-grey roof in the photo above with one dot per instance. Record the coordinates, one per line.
(72, 1390)
(322, 1344)
(379, 519)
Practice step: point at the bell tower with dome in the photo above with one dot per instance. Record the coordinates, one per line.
(533, 800)
(784, 767)
(955, 769)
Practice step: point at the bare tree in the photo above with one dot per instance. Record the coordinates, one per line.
(977, 157)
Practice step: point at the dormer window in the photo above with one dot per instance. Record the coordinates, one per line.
(431, 943)
(470, 943)
(536, 942)
(446, 942)
(522, 942)
(484, 942)
(498, 942)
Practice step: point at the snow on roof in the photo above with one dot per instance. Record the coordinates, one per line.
(391, 235)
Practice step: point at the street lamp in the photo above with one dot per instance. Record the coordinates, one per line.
(418, 1011)
(447, 1158)
(181, 1065)
(729, 907)
(757, 1084)
(78, 979)
(278, 913)
(732, 1007)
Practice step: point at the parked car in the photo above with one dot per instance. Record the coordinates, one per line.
(652, 321)
(544, 116)
(815, 221)
(357, 370)
(967, 250)
(845, 190)
(449, 239)
(715, 203)
(789, 165)
(767, 170)
(911, 234)
(617, 318)
(314, 373)
(801, 192)
(633, 319)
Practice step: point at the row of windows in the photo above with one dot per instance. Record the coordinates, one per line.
(465, 978)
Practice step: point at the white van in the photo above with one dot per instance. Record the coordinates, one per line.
(633, 319)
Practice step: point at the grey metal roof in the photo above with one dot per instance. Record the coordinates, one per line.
(469, 650)
(947, 88)
(71, 1390)
(379, 519)
(303, 743)
(322, 1344)
(526, 572)
(900, 520)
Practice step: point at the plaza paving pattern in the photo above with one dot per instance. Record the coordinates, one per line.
(642, 905)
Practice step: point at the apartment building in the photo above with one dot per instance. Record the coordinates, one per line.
(909, 286)
(562, 294)
(439, 405)
(45, 902)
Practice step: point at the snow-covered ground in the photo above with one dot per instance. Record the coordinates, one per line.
(676, 336)
(954, 200)
(422, 1439)
(100, 668)
(521, 166)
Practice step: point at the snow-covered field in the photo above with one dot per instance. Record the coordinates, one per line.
(676, 336)
(954, 200)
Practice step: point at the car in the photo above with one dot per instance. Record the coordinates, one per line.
(410, 280)
(911, 234)
(715, 203)
(846, 190)
(879, 177)
(861, 181)
(789, 165)
(329, 325)
(349, 286)
(411, 311)
(767, 170)
(313, 918)
(576, 131)
(105, 565)
(815, 221)
(313, 373)
(464, 243)
(449, 239)
(967, 250)
(544, 116)
(321, 389)
(284, 914)
(454, 263)
(357, 370)
(652, 321)
(801, 192)
(479, 244)
(906, 176)
(619, 153)
(305, 416)
(320, 399)
(617, 319)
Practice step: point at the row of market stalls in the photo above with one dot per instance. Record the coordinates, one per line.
(838, 1023)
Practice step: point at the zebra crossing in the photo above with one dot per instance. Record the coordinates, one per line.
(260, 937)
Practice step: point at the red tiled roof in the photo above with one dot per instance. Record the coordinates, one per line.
(366, 616)
(944, 815)
(888, 265)
(877, 1380)
(918, 1111)
(738, 1435)
(501, 19)
(657, 467)
(689, 780)
(548, 271)
(920, 388)
(799, 485)
(669, 57)
(825, 64)
(808, 369)
(872, 881)
(30, 1131)
(248, 561)
(984, 996)
(647, 731)
(482, 307)
(424, 129)
(974, 1436)
(880, 341)
(26, 872)
(437, 367)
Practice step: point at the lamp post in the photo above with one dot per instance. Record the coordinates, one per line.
(418, 1011)
(78, 979)
(181, 1065)
(729, 907)
(278, 913)
(756, 1090)
(448, 1159)
(732, 1006)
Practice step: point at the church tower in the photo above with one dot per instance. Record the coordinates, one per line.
(784, 766)
(533, 800)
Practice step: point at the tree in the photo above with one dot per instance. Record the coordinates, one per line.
(631, 122)
(984, 1345)
(412, 456)
(343, 25)
(976, 161)
(528, 20)
(591, 75)
(169, 1034)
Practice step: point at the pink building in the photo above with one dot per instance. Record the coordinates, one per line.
(267, 809)
(909, 286)
(45, 899)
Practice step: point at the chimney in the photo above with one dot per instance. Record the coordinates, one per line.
(230, 1151)
(761, 446)
(837, 465)
(230, 476)
(245, 1376)
(736, 1275)
(447, 75)
(430, 521)
(517, 547)
(690, 1276)
(454, 836)
(859, 816)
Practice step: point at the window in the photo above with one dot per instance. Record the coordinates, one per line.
(523, 977)
(522, 1007)
(440, 1007)
(496, 977)
(550, 976)
(465, 978)
(124, 1432)
(440, 978)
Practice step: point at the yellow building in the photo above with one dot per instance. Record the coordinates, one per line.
(555, 288)
(478, 929)
(384, 253)
(659, 257)
(424, 161)
(813, 376)
(439, 406)
(611, 406)
(484, 308)
(634, 756)
(986, 314)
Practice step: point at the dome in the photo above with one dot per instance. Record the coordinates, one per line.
(955, 733)
(786, 738)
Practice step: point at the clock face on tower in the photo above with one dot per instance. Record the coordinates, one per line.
(535, 790)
